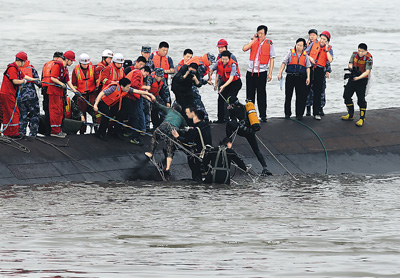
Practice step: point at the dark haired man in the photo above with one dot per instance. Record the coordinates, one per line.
(187, 55)
(361, 65)
(200, 135)
(138, 64)
(261, 63)
(297, 66)
(161, 59)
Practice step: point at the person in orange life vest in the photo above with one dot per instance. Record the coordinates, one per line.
(106, 58)
(298, 77)
(227, 71)
(138, 64)
(361, 65)
(57, 56)
(187, 55)
(13, 77)
(319, 54)
(223, 46)
(112, 102)
(162, 60)
(261, 63)
(313, 37)
(28, 102)
(59, 76)
(83, 79)
(160, 90)
(136, 117)
(113, 72)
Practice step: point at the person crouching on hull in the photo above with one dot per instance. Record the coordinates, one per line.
(297, 66)
(361, 65)
(240, 123)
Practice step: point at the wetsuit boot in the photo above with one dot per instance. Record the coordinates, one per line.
(360, 122)
(350, 115)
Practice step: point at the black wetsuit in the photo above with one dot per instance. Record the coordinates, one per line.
(240, 120)
(219, 161)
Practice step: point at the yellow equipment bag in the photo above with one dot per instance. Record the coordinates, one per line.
(252, 115)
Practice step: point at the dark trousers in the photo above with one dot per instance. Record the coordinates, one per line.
(47, 128)
(299, 84)
(256, 84)
(231, 90)
(133, 106)
(317, 83)
(250, 135)
(195, 166)
(111, 112)
(359, 87)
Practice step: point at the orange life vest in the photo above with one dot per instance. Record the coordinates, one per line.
(115, 96)
(203, 60)
(156, 86)
(359, 62)
(46, 72)
(130, 77)
(225, 71)
(322, 57)
(27, 69)
(161, 62)
(264, 52)
(86, 84)
(68, 112)
(115, 75)
(297, 65)
(314, 50)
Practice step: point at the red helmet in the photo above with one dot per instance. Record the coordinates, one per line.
(222, 43)
(70, 55)
(22, 56)
(326, 34)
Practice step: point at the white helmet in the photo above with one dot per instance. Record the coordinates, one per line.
(107, 53)
(84, 59)
(118, 58)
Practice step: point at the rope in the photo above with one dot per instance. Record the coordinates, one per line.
(320, 140)
(8, 141)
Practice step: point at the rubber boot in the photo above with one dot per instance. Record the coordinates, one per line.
(308, 113)
(360, 122)
(350, 111)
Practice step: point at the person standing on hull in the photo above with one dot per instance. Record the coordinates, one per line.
(160, 90)
(227, 71)
(218, 161)
(200, 135)
(319, 54)
(12, 79)
(146, 52)
(74, 119)
(182, 84)
(240, 123)
(222, 46)
(187, 55)
(259, 71)
(106, 58)
(138, 64)
(59, 78)
(28, 102)
(83, 79)
(57, 56)
(173, 121)
(297, 66)
(361, 65)
(161, 59)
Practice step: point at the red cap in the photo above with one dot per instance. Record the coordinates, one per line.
(22, 56)
(222, 43)
(327, 35)
(70, 55)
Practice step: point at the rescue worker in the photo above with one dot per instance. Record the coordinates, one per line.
(60, 79)
(106, 58)
(223, 46)
(12, 79)
(113, 72)
(240, 123)
(146, 52)
(83, 79)
(57, 56)
(361, 65)
(28, 102)
(182, 84)
(138, 64)
(227, 71)
(136, 116)
(74, 119)
(161, 59)
(187, 55)
(218, 162)
(259, 71)
(297, 66)
(200, 135)
(112, 102)
(173, 120)
(319, 52)
(160, 90)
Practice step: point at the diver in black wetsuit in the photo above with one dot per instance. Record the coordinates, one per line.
(240, 122)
